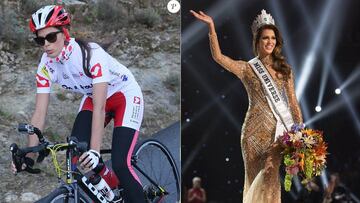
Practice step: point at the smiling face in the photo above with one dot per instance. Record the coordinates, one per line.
(52, 49)
(267, 42)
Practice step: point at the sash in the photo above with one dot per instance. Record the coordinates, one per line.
(275, 101)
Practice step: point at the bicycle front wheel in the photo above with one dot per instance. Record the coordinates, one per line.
(61, 195)
(157, 172)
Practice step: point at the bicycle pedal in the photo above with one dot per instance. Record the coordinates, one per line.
(150, 193)
(119, 195)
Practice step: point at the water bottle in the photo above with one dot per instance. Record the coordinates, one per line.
(107, 174)
(101, 185)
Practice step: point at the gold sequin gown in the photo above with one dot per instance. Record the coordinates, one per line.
(261, 185)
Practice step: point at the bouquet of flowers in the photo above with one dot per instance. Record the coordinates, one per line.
(304, 153)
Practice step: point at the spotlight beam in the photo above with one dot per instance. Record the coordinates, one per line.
(333, 106)
(278, 14)
(204, 137)
(288, 50)
(348, 101)
(333, 39)
(207, 106)
(245, 41)
(353, 76)
(330, 49)
(194, 72)
(315, 46)
(198, 30)
(335, 75)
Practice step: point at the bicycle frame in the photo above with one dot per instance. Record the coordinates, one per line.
(75, 179)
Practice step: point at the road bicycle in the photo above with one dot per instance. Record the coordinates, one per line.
(151, 160)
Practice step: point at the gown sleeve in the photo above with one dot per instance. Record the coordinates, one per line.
(293, 103)
(235, 66)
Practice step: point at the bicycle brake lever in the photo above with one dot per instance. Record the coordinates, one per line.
(32, 170)
(42, 155)
(16, 159)
(82, 146)
(29, 163)
(23, 127)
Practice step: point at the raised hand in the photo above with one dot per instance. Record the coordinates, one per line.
(203, 17)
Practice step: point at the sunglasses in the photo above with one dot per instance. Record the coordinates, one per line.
(51, 38)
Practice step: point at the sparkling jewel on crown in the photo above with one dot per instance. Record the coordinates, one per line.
(262, 19)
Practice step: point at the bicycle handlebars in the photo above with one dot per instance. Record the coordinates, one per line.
(18, 157)
(19, 154)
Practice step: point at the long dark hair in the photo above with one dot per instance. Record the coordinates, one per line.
(86, 55)
(280, 64)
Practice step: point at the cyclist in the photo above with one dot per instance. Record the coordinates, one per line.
(107, 86)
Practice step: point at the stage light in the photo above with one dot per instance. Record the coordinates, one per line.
(338, 91)
(348, 101)
(337, 104)
(318, 108)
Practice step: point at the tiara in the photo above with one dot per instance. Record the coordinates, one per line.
(262, 19)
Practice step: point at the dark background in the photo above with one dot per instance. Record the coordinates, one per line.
(214, 101)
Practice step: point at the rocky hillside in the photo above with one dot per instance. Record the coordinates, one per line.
(141, 34)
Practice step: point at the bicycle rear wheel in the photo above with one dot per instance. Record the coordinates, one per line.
(62, 195)
(157, 172)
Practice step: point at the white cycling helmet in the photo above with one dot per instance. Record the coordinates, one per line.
(50, 16)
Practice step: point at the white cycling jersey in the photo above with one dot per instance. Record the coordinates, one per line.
(67, 70)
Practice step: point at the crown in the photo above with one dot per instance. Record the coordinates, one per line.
(262, 19)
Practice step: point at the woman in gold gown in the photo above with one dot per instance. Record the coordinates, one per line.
(260, 151)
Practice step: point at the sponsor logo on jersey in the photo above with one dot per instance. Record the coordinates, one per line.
(135, 115)
(78, 75)
(45, 72)
(41, 81)
(114, 73)
(137, 100)
(65, 76)
(96, 71)
(49, 67)
(75, 87)
(124, 78)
